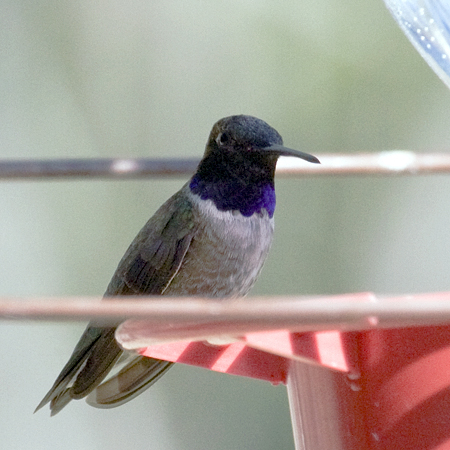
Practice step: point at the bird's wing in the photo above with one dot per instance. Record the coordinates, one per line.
(155, 255)
(152, 260)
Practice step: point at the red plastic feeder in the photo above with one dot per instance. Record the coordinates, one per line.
(382, 389)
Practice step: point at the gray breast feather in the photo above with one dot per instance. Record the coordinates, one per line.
(226, 254)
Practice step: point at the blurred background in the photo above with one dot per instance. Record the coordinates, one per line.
(149, 78)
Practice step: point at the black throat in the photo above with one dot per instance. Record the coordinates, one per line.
(237, 180)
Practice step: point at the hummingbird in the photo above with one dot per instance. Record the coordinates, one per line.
(210, 239)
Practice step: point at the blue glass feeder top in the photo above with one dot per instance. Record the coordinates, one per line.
(426, 23)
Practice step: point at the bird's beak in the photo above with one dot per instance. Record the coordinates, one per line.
(284, 151)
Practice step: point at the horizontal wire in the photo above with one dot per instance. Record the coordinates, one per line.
(389, 162)
(340, 312)
(96, 168)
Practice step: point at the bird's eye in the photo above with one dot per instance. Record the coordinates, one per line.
(223, 139)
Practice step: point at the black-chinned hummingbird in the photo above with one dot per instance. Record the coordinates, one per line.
(210, 239)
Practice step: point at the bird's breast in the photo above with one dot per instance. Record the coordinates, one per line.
(226, 254)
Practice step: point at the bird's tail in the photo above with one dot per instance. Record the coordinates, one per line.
(95, 355)
(92, 359)
(137, 376)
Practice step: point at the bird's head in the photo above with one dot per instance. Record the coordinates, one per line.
(249, 136)
(238, 167)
